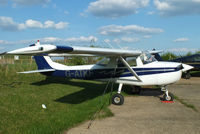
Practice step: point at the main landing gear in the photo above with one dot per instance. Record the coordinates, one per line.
(167, 96)
(118, 99)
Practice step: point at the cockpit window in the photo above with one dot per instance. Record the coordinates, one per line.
(147, 58)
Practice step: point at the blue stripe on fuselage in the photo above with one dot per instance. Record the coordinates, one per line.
(108, 73)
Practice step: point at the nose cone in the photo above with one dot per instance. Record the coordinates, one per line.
(186, 67)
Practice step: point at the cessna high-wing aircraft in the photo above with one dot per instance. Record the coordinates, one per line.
(131, 67)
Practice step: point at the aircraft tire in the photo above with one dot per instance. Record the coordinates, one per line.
(136, 90)
(170, 98)
(117, 99)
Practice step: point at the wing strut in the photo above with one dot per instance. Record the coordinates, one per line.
(130, 69)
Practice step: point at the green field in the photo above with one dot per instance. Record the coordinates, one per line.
(68, 102)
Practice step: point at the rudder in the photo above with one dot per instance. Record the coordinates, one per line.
(42, 62)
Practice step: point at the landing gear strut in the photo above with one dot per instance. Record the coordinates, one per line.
(167, 96)
(118, 99)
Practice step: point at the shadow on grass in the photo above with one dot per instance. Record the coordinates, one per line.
(91, 90)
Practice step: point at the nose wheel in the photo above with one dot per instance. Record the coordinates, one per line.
(167, 96)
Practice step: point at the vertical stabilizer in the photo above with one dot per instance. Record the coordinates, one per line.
(43, 62)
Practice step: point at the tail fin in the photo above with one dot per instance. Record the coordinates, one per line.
(43, 62)
(44, 67)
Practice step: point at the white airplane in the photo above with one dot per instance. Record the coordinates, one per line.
(130, 67)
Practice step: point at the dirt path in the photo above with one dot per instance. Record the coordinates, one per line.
(146, 114)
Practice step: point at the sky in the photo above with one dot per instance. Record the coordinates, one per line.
(169, 25)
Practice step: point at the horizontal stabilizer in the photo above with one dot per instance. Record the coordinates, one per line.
(38, 71)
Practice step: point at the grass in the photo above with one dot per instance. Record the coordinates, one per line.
(68, 102)
(195, 73)
(185, 103)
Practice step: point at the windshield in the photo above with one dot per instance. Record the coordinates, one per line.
(146, 58)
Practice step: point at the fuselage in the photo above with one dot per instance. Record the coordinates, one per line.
(155, 73)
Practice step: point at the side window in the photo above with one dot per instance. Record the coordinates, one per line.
(130, 60)
(104, 62)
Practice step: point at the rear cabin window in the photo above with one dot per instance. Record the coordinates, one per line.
(104, 62)
(130, 60)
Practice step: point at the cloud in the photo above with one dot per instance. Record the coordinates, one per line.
(72, 40)
(27, 42)
(147, 36)
(181, 40)
(129, 29)
(7, 24)
(3, 2)
(117, 41)
(81, 39)
(53, 40)
(51, 24)
(115, 8)
(107, 41)
(177, 7)
(3, 42)
(33, 24)
(182, 50)
(130, 40)
(30, 2)
(125, 40)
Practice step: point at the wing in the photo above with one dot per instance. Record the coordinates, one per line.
(53, 49)
(105, 51)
